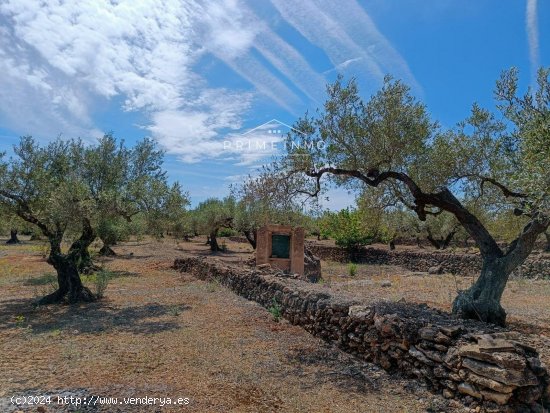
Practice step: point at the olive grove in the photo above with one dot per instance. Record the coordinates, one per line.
(68, 190)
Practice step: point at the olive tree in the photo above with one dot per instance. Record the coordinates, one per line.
(9, 223)
(440, 229)
(66, 188)
(266, 199)
(389, 142)
(214, 214)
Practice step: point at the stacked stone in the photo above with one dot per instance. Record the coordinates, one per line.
(481, 365)
(461, 264)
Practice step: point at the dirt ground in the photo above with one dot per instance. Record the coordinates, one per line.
(526, 301)
(160, 333)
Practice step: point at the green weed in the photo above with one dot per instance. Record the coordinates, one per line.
(275, 310)
(352, 269)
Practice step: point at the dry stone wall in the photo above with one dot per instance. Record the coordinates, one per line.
(464, 264)
(485, 367)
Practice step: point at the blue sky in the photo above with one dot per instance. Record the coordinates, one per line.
(198, 76)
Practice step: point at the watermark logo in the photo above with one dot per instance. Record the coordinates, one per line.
(269, 138)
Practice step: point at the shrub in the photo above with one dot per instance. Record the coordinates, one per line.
(348, 229)
(352, 269)
(226, 232)
(100, 281)
(275, 310)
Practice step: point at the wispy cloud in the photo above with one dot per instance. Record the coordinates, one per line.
(234, 34)
(192, 132)
(62, 61)
(533, 37)
(343, 65)
(345, 31)
(324, 31)
(72, 55)
(59, 61)
(360, 26)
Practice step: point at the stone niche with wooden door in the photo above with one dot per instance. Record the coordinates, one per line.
(281, 246)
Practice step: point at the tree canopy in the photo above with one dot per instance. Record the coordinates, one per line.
(390, 143)
(67, 188)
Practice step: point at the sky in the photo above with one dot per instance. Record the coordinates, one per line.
(217, 83)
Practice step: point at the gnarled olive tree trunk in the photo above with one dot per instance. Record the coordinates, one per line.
(13, 237)
(68, 268)
(106, 250)
(482, 300)
(250, 237)
(441, 243)
(68, 278)
(214, 247)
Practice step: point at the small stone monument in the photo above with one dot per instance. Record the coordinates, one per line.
(281, 246)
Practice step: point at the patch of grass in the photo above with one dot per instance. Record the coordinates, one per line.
(20, 320)
(352, 269)
(275, 311)
(99, 280)
(213, 285)
(174, 310)
(8, 272)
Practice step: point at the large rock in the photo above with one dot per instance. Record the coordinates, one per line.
(359, 311)
(504, 376)
(436, 269)
(488, 383)
(499, 398)
(510, 360)
(469, 390)
(312, 266)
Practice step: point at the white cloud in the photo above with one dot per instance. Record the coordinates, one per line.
(324, 31)
(69, 56)
(60, 61)
(191, 131)
(343, 65)
(37, 100)
(344, 30)
(533, 37)
(359, 25)
(80, 51)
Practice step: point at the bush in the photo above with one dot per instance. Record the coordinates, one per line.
(275, 310)
(352, 269)
(348, 229)
(100, 281)
(226, 232)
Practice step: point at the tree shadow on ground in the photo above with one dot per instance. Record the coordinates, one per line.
(44, 279)
(96, 317)
(130, 256)
(51, 279)
(333, 366)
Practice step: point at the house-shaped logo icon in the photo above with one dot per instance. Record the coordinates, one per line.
(273, 127)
